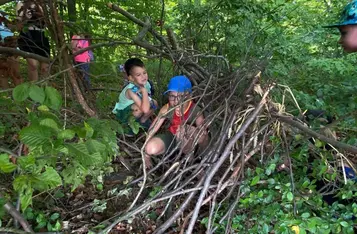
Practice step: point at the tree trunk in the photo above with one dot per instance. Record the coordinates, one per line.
(57, 33)
(72, 13)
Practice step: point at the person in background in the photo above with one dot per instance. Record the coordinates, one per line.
(32, 37)
(82, 60)
(9, 64)
(185, 122)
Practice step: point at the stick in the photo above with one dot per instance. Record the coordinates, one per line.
(337, 144)
(17, 216)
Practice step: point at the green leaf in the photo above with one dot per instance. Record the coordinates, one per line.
(37, 94)
(48, 180)
(35, 135)
(255, 180)
(57, 226)
(49, 226)
(319, 143)
(53, 98)
(5, 165)
(89, 130)
(290, 196)
(26, 162)
(66, 134)
(134, 125)
(43, 108)
(23, 185)
(49, 123)
(95, 146)
(74, 175)
(21, 92)
(305, 215)
(81, 153)
(54, 216)
(344, 224)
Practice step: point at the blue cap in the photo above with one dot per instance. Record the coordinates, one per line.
(349, 15)
(179, 84)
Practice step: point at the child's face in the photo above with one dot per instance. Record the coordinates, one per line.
(175, 98)
(138, 75)
(348, 38)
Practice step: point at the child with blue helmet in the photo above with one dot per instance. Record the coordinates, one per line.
(185, 118)
(348, 27)
(135, 98)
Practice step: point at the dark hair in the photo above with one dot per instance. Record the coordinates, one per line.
(131, 63)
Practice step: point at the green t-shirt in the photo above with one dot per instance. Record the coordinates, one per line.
(124, 102)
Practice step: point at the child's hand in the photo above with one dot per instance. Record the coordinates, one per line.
(143, 90)
(148, 162)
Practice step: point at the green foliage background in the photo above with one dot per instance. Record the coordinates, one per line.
(301, 53)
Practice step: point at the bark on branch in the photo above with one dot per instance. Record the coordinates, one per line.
(12, 51)
(112, 43)
(337, 144)
(17, 216)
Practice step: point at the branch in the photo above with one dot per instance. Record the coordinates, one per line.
(172, 39)
(8, 50)
(112, 43)
(222, 158)
(337, 144)
(9, 152)
(17, 216)
(139, 22)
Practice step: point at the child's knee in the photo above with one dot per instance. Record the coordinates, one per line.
(153, 147)
(32, 66)
(137, 113)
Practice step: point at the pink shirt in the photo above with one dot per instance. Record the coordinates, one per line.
(80, 44)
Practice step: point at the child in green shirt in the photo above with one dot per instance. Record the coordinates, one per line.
(135, 98)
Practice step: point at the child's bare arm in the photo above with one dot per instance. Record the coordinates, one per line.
(158, 121)
(200, 120)
(144, 103)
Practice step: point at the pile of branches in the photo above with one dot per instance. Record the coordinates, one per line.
(241, 117)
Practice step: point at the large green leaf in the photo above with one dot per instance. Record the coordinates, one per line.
(37, 94)
(21, 92)
(5, 165)
(48, 180)
(26, 162)
(81, 153)
(95, 146)
(49, 123)
(53, 98)
(66, 134)
(35, 135)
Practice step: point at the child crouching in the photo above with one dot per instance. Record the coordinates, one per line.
(135, 98)
(185, 122)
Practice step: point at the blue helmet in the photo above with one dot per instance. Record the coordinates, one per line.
(349, 15)
(179, 84)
